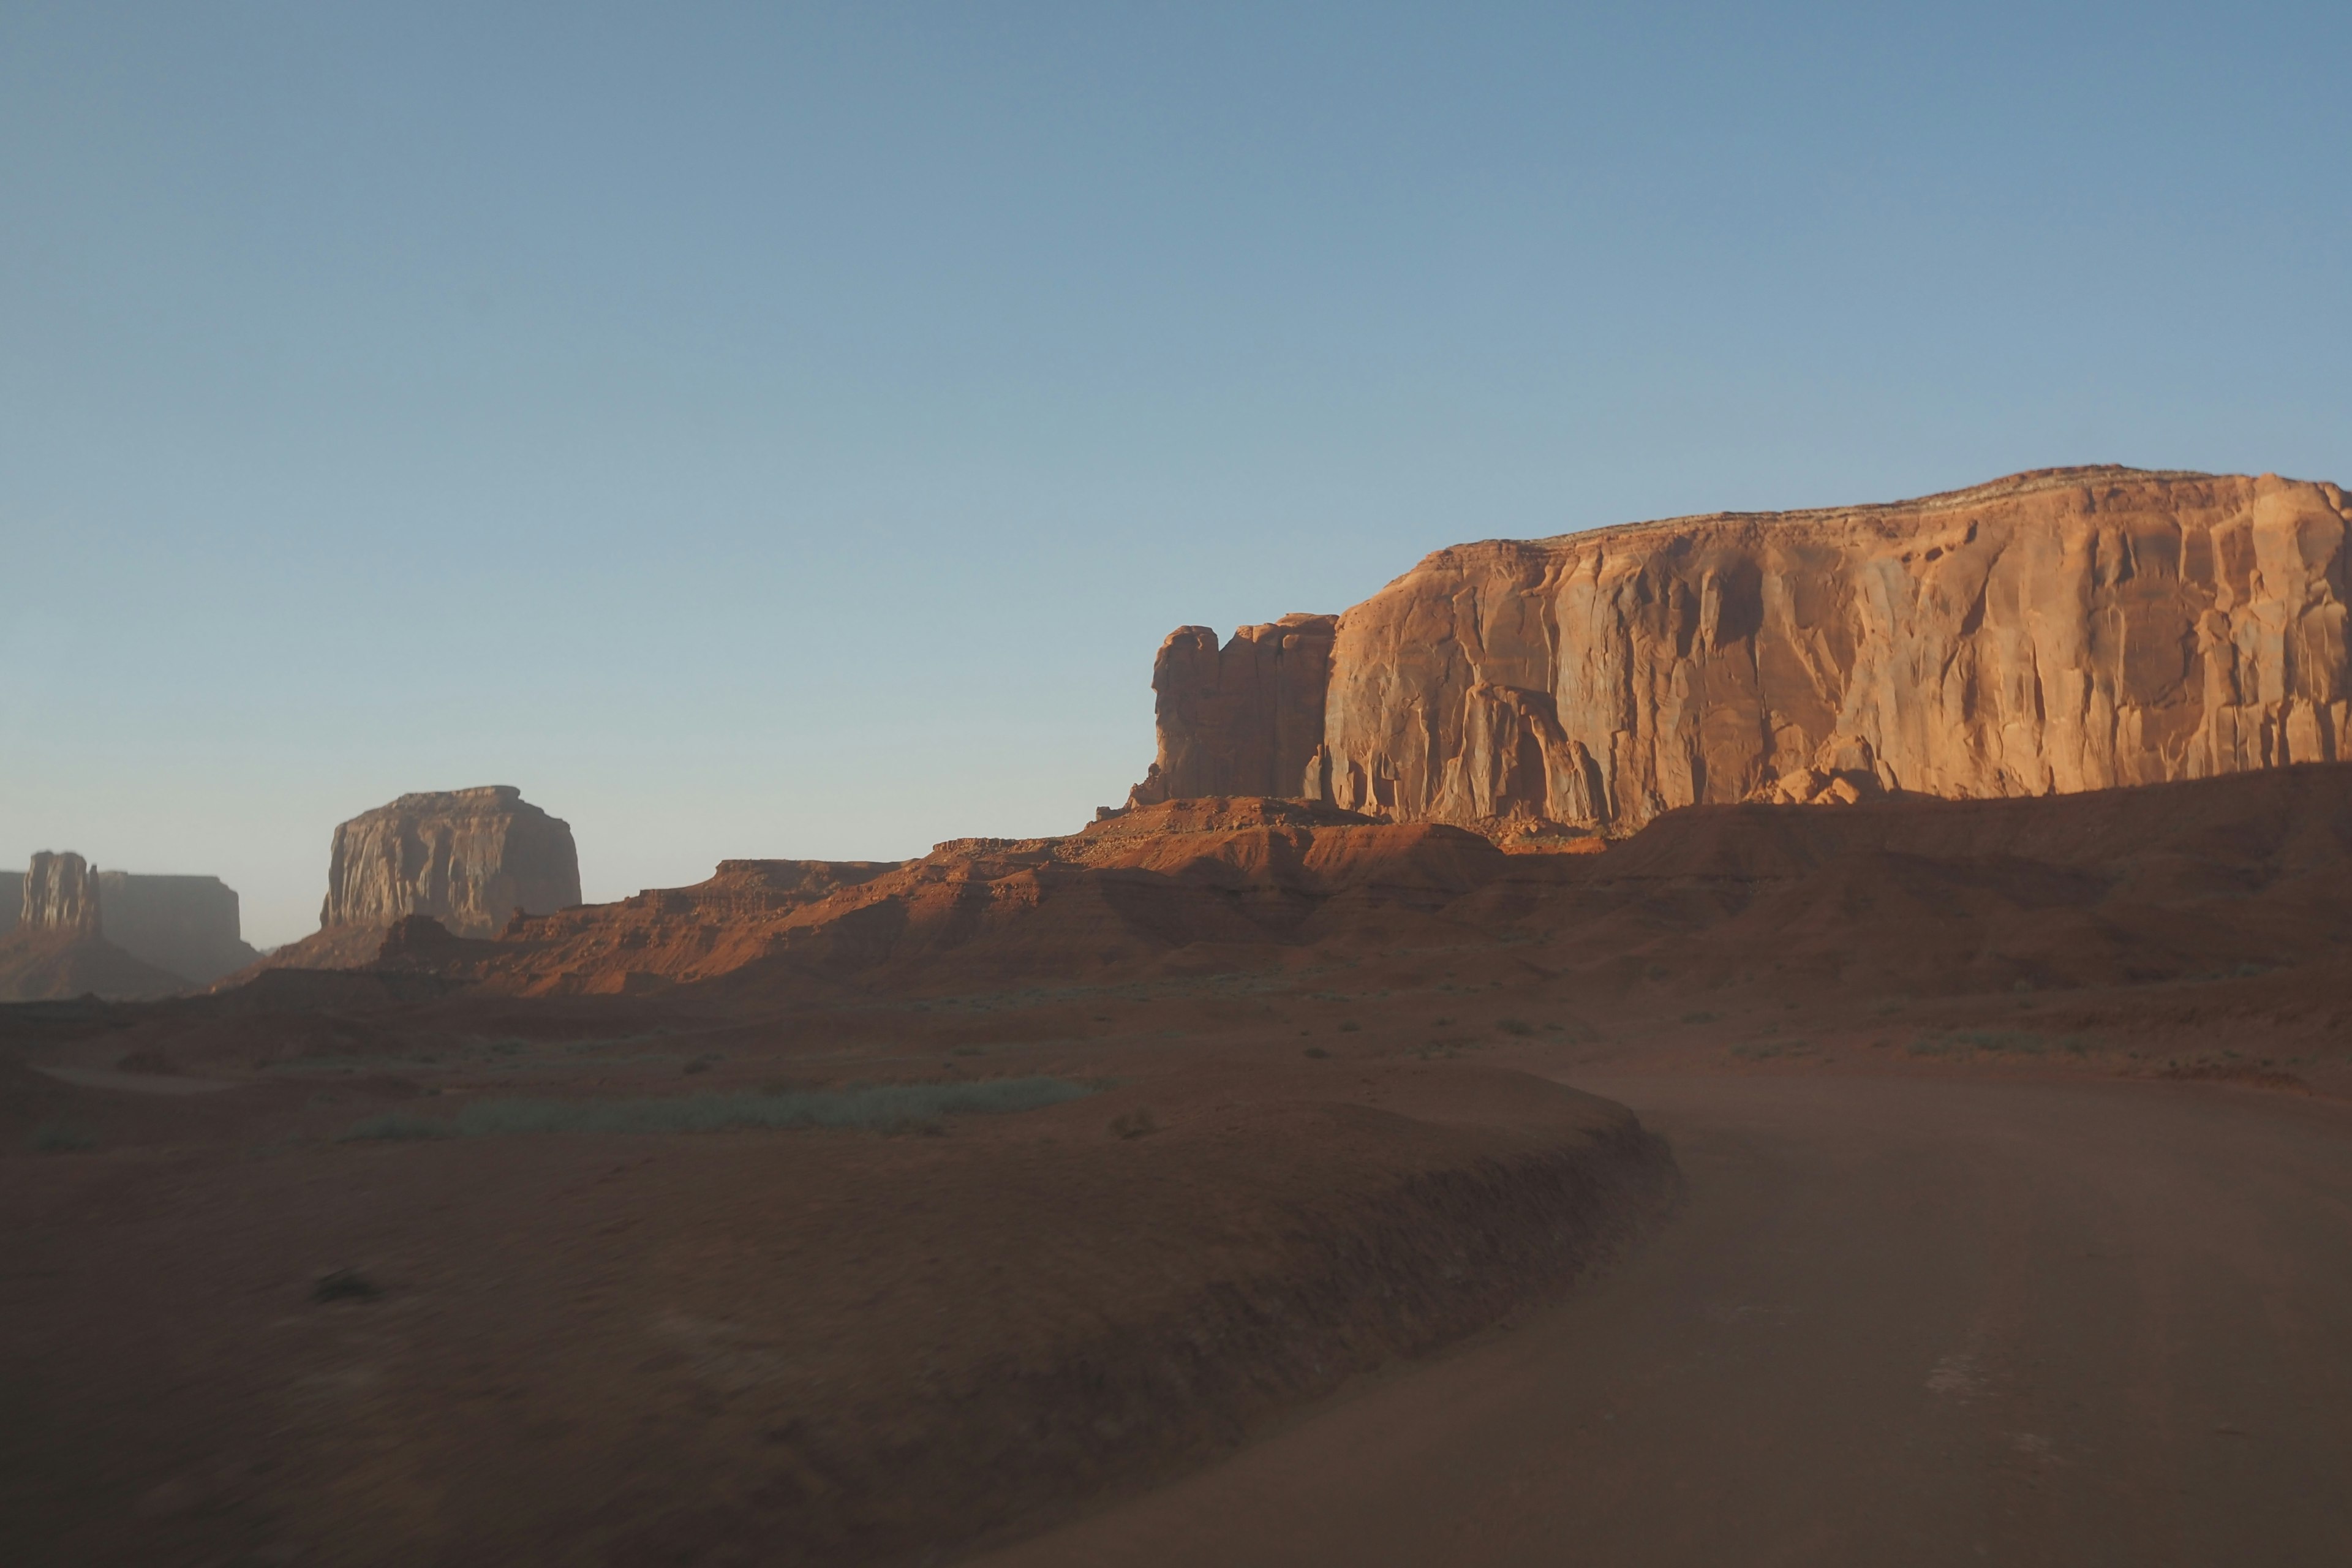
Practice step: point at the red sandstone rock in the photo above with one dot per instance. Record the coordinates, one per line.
(1243, 720)
(471, 859)
(2058, 631)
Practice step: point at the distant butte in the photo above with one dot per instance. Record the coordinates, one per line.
(469, 858)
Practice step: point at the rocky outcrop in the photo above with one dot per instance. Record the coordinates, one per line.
(2054, 632)
(1246, 718)
(471, 859)
(59, 945)
(61, 893)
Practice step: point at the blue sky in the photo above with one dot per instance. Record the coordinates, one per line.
(790, 430)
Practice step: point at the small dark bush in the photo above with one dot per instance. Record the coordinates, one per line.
(1318, 1052)
(1137, 1123)
(345, 1285)
(883, 1108)
(1515, 1026)
(1350, 1027)
(61, 1138)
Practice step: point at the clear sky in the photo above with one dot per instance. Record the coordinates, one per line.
(789, 429)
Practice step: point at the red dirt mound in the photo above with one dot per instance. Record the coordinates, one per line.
(39, 963)
(1938, 897)
(1237, 875)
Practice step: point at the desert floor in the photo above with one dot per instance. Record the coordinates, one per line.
(1898, 1319)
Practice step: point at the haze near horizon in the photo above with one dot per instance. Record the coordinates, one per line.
(793, 435)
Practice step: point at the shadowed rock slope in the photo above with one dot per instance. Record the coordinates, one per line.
(59, 947)
(1908, 893)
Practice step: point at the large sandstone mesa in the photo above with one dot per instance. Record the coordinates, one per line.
(470, 859)
(2056, 631)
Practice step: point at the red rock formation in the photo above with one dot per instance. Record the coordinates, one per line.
(471, 859)
(1243, 720)
(1213, 877)
(2058, 631)
(61, 894)
(57, 947)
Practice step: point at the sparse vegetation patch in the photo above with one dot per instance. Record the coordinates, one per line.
(873, 1107)
(2013, 1042)
(61, 1138)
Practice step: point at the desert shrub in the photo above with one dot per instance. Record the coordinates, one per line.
(1515, 1026)
(874, 1107)
(1137, 1123)
(1318, 1052)
(61, 1138)
(1350, 1027)
(2010, 1042)
(345, 1285)
(1698, 1017)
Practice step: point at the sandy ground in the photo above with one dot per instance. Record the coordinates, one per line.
(1908, 1320)
(1977, 1262)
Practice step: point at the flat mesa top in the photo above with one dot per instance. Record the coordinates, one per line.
(2028, 483)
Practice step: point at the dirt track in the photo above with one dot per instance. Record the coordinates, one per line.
(1900, 1321)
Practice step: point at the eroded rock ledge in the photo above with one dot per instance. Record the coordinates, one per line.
(2051, 631)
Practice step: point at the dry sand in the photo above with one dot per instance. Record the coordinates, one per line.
(1901, 1320)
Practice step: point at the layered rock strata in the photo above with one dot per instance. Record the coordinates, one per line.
(471, 859)
(61, 893)
(2053, 631)
(59, 945)
(1246, 718)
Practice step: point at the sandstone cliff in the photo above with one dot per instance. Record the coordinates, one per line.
(1246, 719)
(2056, 631)
(470, 858)
(61, 893)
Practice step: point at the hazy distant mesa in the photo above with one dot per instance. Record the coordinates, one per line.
(471, 859)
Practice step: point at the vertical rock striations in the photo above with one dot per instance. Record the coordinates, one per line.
(58, 946)
(1246, 718)
(470, 858)
(61, 894)
(2063, 630)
